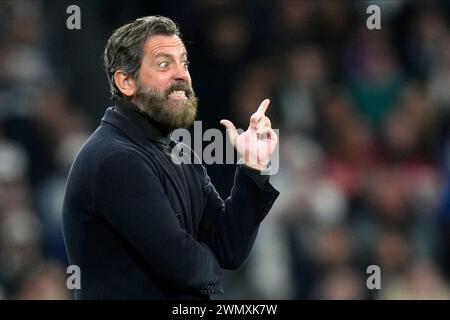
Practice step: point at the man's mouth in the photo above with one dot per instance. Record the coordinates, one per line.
(178, 94)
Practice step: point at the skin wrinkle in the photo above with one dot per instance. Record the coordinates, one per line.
(154, 83)
(162, 79)
(172, 46)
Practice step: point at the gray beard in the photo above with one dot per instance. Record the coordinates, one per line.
(157, 106)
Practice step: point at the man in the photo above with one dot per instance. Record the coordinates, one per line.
(139, 225)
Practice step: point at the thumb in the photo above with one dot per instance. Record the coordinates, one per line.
(231, 129)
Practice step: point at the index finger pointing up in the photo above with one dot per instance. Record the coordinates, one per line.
(263, 106)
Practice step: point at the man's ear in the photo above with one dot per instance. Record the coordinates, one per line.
(125, 83)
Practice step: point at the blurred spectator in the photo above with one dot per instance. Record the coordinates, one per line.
(46, 282)
(428, 30)
(305, 77)
(421, 281)
(340, 284)
(374, 77)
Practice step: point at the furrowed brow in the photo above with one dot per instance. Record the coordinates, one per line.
(170, 56)
(165, 55)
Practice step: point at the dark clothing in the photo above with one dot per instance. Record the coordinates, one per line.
(140, 226)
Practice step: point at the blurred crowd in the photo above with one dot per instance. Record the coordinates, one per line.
(363, 117)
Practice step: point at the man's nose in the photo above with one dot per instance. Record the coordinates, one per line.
(181, 73)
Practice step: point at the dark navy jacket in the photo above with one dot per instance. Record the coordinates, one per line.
(140, 226)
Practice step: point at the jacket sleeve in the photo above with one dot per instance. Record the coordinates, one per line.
(129, 195)
(229, 227)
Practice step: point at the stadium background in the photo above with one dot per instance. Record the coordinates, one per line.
(364, 136)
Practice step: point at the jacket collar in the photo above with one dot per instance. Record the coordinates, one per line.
(126, 117)
(148, 126)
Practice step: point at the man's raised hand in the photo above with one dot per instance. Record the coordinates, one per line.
(257, 144)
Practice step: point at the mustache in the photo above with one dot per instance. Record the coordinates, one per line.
(180, 85)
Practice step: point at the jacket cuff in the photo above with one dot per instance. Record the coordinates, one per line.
(254, 174)
(265, 193)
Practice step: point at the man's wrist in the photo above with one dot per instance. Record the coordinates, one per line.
(257, 166)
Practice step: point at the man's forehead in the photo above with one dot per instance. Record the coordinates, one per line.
(160, 44)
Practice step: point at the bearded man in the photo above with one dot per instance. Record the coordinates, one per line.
(136, 223)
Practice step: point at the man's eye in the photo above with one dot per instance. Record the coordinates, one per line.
(164, 64)
(186, 64)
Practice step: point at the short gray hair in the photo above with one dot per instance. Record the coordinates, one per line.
(124, 49)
